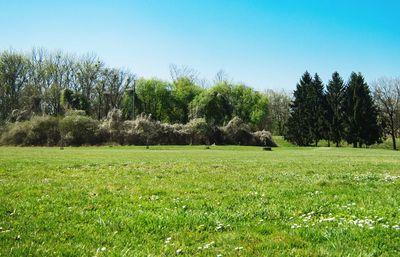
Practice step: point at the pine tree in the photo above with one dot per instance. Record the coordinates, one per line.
(361, 114)
(299, 129)
(334, 109)
(316, 106)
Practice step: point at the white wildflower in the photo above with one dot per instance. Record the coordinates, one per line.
(294, 226)
(327, 219)
(168, 240)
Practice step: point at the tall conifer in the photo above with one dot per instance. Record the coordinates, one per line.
(299, 130)
(334, 109)
(316, 109)
(362, 126)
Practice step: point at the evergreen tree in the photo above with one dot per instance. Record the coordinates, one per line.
(298, 126)
(317, 111)
(334, 109)
(361, 113)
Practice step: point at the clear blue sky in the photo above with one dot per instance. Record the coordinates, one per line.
(266, 44)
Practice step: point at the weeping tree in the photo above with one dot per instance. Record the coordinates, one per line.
(214, 105)
(183, 91)
(249, 105)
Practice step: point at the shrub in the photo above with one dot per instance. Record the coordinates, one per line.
(44, 131)
(172, 134)
(264, 138)
(217, 136)
(38, 131)
(19, 115)
(237, 132)
(75, 112)
(112, 127)
(2, 128)
(15, 133)
(78, 129)
(141, 131)
(199, 131)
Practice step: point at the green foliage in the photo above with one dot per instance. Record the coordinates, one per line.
(127, 105)
(15, 133)
(335, 113)
(362, 126)
(340, 113)
(42, 83)
(316, 102)
(77, 129)
(300, 123)
(214, 105)
(183, 92)
(67, 98)
(53, 83)
(44, 131)
(306, 123)
(223, 101)
(73, 100)
(154, 98)
(249, 105)
(39, 131)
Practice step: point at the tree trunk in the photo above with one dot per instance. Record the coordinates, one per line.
(394, 140)
(355, 145)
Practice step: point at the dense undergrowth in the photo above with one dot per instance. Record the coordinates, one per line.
(77, 129)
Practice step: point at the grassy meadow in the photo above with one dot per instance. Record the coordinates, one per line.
(193, 201)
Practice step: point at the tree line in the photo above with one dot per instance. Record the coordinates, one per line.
(43, 83)
(343, 111)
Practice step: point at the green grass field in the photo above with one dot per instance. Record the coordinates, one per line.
(192, 201)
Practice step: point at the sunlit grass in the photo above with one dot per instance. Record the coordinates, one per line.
(173, 200)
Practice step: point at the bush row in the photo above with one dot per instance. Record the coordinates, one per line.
(77, 129)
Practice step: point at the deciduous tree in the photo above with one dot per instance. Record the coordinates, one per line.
(387, 97)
